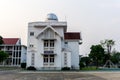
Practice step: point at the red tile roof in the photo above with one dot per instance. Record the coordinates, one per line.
(72, 35)
(12, 41)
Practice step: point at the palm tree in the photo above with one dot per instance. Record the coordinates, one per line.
(108, 44)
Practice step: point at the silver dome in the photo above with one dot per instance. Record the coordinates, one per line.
(52, 16)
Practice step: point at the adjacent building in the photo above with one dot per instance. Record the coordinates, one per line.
(16, 51)
(50, 46)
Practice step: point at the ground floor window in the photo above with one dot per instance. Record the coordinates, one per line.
(48, 58)
(65, 59)
(45, 58)
(32, 59)
(51, 58)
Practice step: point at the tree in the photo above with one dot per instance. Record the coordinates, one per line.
(1, 40)
(115, 58)
(97, 54)
(3, 56)
(108, 44)
(85, 61)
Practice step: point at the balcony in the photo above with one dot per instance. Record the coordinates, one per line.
(48, 52)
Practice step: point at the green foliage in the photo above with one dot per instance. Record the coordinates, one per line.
(31, 68)
(3, 56)
(82, 65)
(115, 58)
(107, 44)
(1, 40)
(89, 68)
(96, 54)
(85, 60)
(65, 68)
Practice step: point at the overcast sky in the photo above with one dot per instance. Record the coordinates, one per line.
(95, 19)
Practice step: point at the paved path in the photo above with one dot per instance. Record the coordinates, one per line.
(9, 75)
(31, 75)
(107, 75)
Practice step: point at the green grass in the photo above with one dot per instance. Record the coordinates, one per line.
(90, 68)
(8, 68)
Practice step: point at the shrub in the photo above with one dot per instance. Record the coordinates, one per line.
(31, 68)
(81, 65)
(23, 65)
(66, 68)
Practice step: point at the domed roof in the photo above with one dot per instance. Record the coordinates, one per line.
(51, 16)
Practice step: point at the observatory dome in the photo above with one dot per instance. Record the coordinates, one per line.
(51, 16)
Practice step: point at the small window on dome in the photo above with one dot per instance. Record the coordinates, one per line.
(31, 33)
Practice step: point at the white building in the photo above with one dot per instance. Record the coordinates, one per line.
(16, 51)
(50, 46)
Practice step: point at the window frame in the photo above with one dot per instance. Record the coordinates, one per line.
(32, 33)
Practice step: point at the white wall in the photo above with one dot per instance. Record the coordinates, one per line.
(58, 52)
(38, 45)
(23, 54)
(68, 59)
(74, 47)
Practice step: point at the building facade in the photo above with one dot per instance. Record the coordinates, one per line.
(50, 46)
(16, 51)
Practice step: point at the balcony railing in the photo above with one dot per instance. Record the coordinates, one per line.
(48, 52)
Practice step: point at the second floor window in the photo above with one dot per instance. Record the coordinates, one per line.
(48, 43)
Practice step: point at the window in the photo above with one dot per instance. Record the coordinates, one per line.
(45, 58)
(19, 53)
(31, 33)
(13, 61)
(48, 43)
(48, 46)
(51, 58)
(14, 54)
(66, 44)
(32, 58)
(51, 43)
(16, 61)
(31, 45)
(48, 58)
(45, 43)
(65, 59)
(19, 61)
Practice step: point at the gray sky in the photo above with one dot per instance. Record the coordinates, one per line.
(95, 19)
